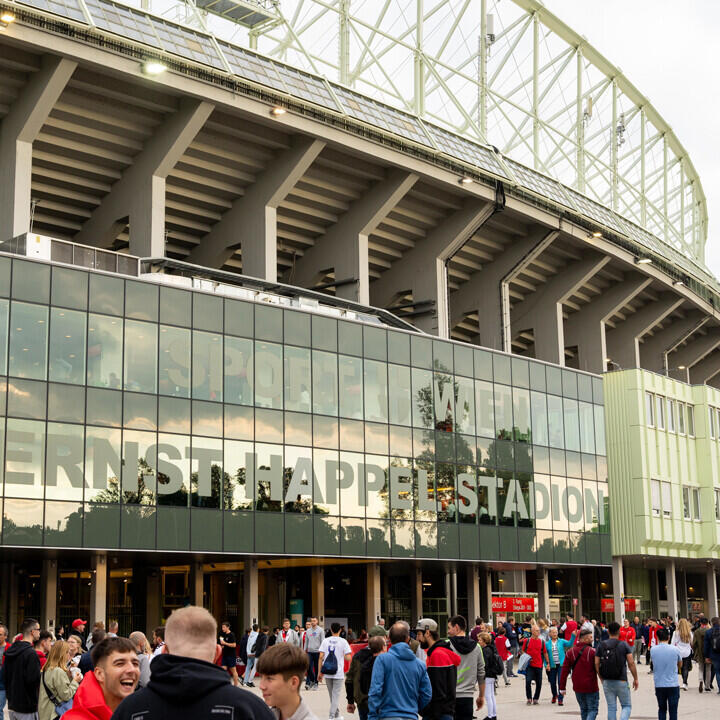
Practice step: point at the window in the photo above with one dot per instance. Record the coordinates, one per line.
(696, 503)
(717, 424)
(691, 420)
(671, 415)
(655, 497)
(681, 417)
(660, 412)
(650, 408)
(666, 499)
(686, 502)
(711, 421)
(717, 504)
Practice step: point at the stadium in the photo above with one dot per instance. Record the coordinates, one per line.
(346, 309)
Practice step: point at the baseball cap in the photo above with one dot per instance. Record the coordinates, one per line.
(76, 623)
(426, 624)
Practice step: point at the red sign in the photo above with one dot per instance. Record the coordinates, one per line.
(607, 605)
(513, 604)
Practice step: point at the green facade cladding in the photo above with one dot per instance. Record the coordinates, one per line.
(139, 416)
(663, 465)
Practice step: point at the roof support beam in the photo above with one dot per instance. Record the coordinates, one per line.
(422, 272)
(344, 247)
(586, 328)
(140, 193)
(488, 290)
(692, 353)
(18, 131)
(705, 370)
(623, 341)
(543, 310)
(251, 222)
(654, 350)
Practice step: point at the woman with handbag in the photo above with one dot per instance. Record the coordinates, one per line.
(57, 683)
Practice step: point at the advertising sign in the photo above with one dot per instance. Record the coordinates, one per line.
(607, 605)
(514, 604)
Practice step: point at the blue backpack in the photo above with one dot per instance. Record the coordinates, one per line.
(330, 663)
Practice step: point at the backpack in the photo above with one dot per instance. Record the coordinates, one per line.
(715, 640)
(330, 663)
(366, 667)
(612, 661)
(494, 665)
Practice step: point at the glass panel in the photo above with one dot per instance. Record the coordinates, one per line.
(31, 281)
(206, 472)
(485, 408)
(351, 387)
(572, 424)
(64, 462)
(444, 401)
(268, 375)
(26, 398)
(174, 364)
(422, 396)
(538, 405)
(350, 339)
(28, 340)
(298, 429)
(376, 391)
(67, 346)
(102, 464)
(173, 469)
(104, 351)
(207, 366)
(239, 369)
(265, 467)
(555, 421)
(174, 415)
(297, 379)
(69, 288)
(207, 312)
(140, 411)
(299, 480)
(464, 405)
(587, 429)
(297, 328)
(521, 415)
(107, 294)
(138, 468)
(66, 403)
(399, 394)
(325, 382)
(237, 492)
(239, 422)
(4, 313)
(238, 318)
(140, 356)
(175, 306)
(503, 412)
(24, 459)
(269, 425)
(324, 333)
(141, 300)
(649, 409)
(599, 429)
(207, 418)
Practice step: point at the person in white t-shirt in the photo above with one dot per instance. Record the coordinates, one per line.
(341, 650)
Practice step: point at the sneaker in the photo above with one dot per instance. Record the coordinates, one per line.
(535, 702)
(507, 684)
(560, 702)
(701, 688)
(249, 684)
(554, 699)
(684, 686)
(529, 702)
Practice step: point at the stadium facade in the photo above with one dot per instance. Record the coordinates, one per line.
(273, 346)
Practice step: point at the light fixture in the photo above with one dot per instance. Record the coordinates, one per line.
(6, 18)
(153, 67)
(678, 283)
(643, 261)
(277, 111)
(465, 180)
(681, 367)
(597, 234)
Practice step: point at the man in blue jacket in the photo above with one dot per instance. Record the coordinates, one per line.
(712, 647)
(400, 686)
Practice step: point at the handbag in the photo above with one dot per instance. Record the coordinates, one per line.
(523, 662)
(60, 707)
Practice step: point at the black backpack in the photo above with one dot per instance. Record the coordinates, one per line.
(494, 665)
(366, 668)
(715, 640)
(612, 660)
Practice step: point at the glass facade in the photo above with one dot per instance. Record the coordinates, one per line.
(139, 416)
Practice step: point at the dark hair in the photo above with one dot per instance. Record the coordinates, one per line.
(283, 659)
(663, 634)
(376, 644)
(108, 646)
(97, 636)
(265, 628)
(256, 627)
(500, 630)
(226, 623)
(399, 633)
(28, 625)
(585, 632)
(715, 621)
(44, 635)
(159, 631)
(613, 628)
(478, 621)
(570, 615)
(458, 620)
(335, 627)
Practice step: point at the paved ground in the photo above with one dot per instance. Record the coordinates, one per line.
(511, 702)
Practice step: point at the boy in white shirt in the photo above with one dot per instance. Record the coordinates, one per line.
(334, 669)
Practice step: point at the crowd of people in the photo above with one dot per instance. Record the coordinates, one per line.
(191, 669)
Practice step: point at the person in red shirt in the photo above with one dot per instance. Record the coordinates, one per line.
(580, 662)
(504, 651)
(627, 633)
(535, 648)
(569, 626)
(42, 646)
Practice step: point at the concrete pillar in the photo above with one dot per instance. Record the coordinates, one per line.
(578, 593)
(421, 271)
(453, 604)
(318, 594)
(473, 593)
(542, 311)
(140, 193)
(711, 591)
(486, 590)
(251, 222)
(682, 592)
(153, 588)
(672, 596)
(49, 590)
(98, 590)
(618, 589)
(543, 586)
(344, 247)
(18, 131)
(13, 619)
(251, 602)
(654, 350)
(372, 594)
(693, 352)
(4, 591)
(586, 327)
(623, 341)
(416, 594)
(196, 578)
(705, 370)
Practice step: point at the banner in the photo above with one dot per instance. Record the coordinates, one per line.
(607, 605)
(514, 604)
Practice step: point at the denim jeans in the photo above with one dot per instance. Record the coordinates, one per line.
(668, 699)
(588, 703)
(249, 669)
(716, 667)
(533, 673)
(552, 679)
(617, 690)
(3, 700)
(312, 674)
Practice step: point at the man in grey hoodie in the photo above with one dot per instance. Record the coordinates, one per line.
(471, 671)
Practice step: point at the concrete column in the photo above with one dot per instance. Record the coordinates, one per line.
(372, 594)
(140, 193)
(712, 592)
(672, 596)
(473, 593)
(586, 328)
(682, 592)
(421, 271)
(18, 131)
(13, 619)
(49, 582)
(486, 590)
(705, 370)
(4, 591)
(579, 593)
(251, 222)
(318, 594)
(453, 606)
(344, 247)
(543, 585)
(416, 594)
(98, 590)
(623, 341)
(196, 578)
(618, 589)
(153, 589)
(251, 602)
(654, 350)
(694, 351)
(542, 311)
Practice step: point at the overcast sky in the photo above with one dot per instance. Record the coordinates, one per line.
(669, 50)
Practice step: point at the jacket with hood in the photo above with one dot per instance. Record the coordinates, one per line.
(22, 677)
(442, 666)
(359, 677)
(89, 701)
(472, 665)
(400, 686)
(184, 688)
(261, 644)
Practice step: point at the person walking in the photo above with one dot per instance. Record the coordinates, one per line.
(228, 643)
(287, 634)
(569, 626)
(57, 684)
(400, 686)
(494, 666)
(682, 639)
(613, 658)
(636, 627)
(580, 663)
(477, 629)
(21, 667)
(512, 633)
(666, 662)
(249, 666)
(556, 648)
(645, 630)
(711, 645)
(242, 650)
(471, 671)
(535, 648)
(261, 645)
(627, 634)
(314, 636)
(334, 651)
(502, 645)
(698, 644)
(442, 666)
(359, 676)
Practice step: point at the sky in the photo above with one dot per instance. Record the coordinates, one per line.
(669, 51)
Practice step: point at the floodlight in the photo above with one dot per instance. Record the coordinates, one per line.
(153, 67)
(277, 111)
(643, 261)
(7, 17)
(465, 180)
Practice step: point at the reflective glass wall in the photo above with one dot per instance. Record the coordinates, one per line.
(140, 416)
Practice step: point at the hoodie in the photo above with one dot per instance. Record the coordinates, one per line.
(184, 688)
(442, 666)
(400, 687)
(471, 670)
(89, 701)
(22, 677)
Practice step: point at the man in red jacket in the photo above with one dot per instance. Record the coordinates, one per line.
(580, 663)
(115, 676)
(442, 665)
